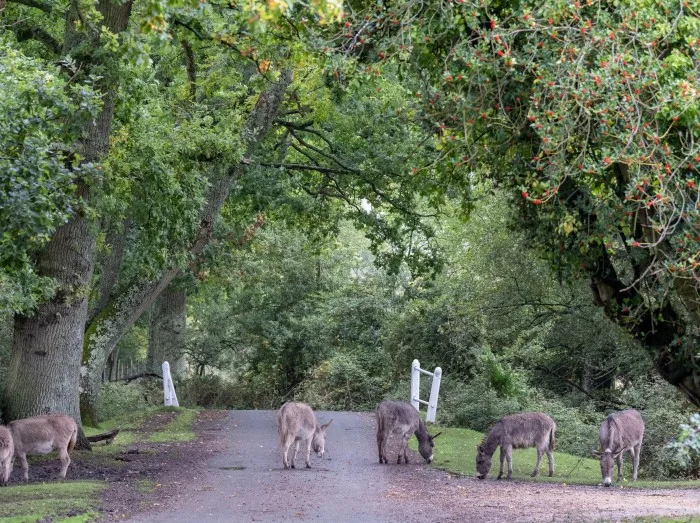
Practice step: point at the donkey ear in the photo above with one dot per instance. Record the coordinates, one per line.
(325, 425)
(436, 435)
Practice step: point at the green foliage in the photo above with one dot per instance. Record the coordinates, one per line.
(687, 447)
(40, 114)
(210, 391)
(117, 399)
(343, 383)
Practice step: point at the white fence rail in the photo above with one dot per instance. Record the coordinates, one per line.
(416, 371)
(168, 387)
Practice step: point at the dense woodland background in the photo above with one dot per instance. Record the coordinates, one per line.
(295, 201)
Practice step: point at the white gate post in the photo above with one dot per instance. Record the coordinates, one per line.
(415, 384)
(170, 398)
(434, 390)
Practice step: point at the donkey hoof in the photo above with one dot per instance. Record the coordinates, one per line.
(499, 476)
(293, 466)
(308, 466)
(534, 474)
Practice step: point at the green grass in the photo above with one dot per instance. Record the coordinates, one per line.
(65, 501)
(455, 451)
(179, 429)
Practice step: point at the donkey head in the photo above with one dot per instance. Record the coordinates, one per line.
(483, 462)
(318, 443)
(425, 447)
(607, 461)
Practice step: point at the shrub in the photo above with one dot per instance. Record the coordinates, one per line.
(208, 391)
(342, 383)
(117, 398)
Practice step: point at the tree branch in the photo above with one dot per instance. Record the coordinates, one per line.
(25, 32)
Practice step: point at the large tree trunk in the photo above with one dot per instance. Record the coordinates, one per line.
(166, 332)
(46, 357)
(110, 325)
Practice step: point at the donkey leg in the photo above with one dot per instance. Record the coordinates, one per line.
(296, 449)
(509, 459)
(536, 472)
(25, 466)
(550, 458)
(619, 466)
(402, 450)
(285, 450)
(65, 461)
(381, 446)
(384, 442)
(502, 455)
(308, 453)
(635, 461)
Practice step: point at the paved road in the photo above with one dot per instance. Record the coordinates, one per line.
(244, 481)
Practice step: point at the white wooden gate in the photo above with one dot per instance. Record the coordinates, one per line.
(416, 371)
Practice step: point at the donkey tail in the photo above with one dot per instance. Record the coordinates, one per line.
(73, 440)
(552, 438)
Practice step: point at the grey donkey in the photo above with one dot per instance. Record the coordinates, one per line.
(620, 432)
(517, 431)
(297, 423)
(41, 435)
(7, 455)
(400, 417)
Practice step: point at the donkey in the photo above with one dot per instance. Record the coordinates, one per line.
(41, 435)
(517, 431)
(400, 417)
(7, 451)
(296, 423)
(619, 432)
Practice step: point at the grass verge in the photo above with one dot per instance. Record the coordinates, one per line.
(66, 501)
(455, 451)
(179, 429)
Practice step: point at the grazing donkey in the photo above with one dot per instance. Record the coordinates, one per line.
(402, 418)
(517, 431)
(7, 455)
(41, 435)
(619, 432)
(296, 422)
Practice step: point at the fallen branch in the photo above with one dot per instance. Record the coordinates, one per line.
(107, 437)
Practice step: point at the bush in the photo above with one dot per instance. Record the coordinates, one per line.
(664, 409)
(342, 383)
(209, 391)
(117, 398)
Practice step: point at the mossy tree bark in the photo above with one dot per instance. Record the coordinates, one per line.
(166, 332)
